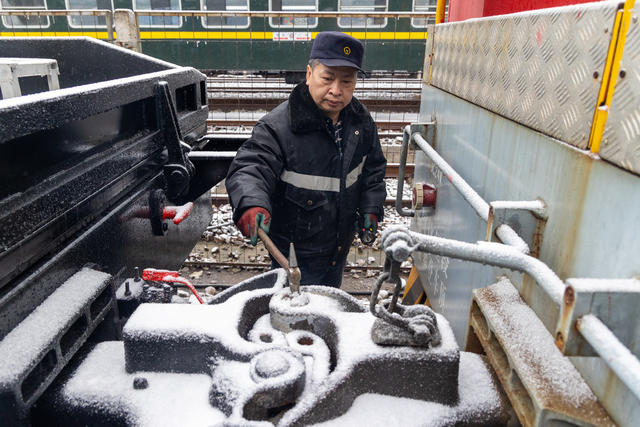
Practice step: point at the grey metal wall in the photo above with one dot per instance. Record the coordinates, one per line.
(594, 207)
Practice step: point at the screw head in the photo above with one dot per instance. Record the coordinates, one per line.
(140, 383)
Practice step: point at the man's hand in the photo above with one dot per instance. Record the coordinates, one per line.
(369, 228)
(251, 219)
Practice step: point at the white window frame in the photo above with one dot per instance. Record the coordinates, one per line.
(228, 9)
(141, 12)
(413, 20)
(70, 18)
(272, 24)
(6, 20)
(361, 9)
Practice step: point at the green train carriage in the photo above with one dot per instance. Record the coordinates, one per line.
(231, 42)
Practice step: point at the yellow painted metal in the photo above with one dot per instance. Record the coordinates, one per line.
(440, 9)
(215, 35)
(414, 296)
(411, 280)
(610, 74)
(95, 34)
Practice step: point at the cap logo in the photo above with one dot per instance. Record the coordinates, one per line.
(347, 50)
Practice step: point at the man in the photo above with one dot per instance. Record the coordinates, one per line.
(313, 166)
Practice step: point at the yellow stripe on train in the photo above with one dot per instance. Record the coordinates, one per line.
(214, 35)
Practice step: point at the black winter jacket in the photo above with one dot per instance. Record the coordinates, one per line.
(292, 167)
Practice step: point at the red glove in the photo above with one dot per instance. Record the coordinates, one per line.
(251, 219)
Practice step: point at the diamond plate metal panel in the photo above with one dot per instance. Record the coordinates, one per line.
(621, 138)
(542, 69)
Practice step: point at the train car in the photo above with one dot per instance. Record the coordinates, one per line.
(247, 35)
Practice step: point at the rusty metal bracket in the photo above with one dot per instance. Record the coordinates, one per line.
(608, 299)
(428, 131)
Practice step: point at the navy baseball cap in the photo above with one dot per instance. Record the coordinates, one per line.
(335, 49)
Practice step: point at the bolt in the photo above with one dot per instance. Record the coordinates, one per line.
(560, 340)
(569, 296)
(140, 383)
(127, 291)
(596, 74)
(165, 226)
(623, 74)
(634, 19)
(137, 274)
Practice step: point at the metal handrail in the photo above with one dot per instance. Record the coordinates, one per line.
(401, 242)
(49, 12)
(482, 208)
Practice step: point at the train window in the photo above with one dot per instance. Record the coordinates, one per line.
(362, 6)
(158, 21)
(225, 21)
(88, 21)
(423, 6)
(25, 21)
(293, 6)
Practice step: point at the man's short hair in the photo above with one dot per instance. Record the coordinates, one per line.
(313, 62)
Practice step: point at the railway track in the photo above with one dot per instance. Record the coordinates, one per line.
(226, 94)
(217, 122)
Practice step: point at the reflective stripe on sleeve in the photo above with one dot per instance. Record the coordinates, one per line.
(353, 176)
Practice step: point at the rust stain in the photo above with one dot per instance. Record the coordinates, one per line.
(538, 235)
(577, 179)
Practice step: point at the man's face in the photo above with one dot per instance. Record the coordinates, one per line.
(331, 87)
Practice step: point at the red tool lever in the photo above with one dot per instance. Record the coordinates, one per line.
(153, 275)
(178, 213)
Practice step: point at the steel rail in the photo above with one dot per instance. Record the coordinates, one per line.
(383, 125)
(504, 232)
(215, 264)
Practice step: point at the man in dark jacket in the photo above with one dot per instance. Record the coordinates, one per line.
(313, 167)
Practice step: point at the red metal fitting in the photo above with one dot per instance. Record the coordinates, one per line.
(178, 213)
(153, 275)
(424, 195)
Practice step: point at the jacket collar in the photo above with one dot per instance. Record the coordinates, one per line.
(305, 116)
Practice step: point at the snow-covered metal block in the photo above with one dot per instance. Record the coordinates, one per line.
(259, 354)
(543, 385)
(35, 351)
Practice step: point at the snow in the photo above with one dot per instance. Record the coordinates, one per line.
(604, 285)
(476, 388)
(531, 349)
(271, 364)
(40, 330)
(490, 253)
(84, 90)
(270, 359)
(135, 289)
(170, 399)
